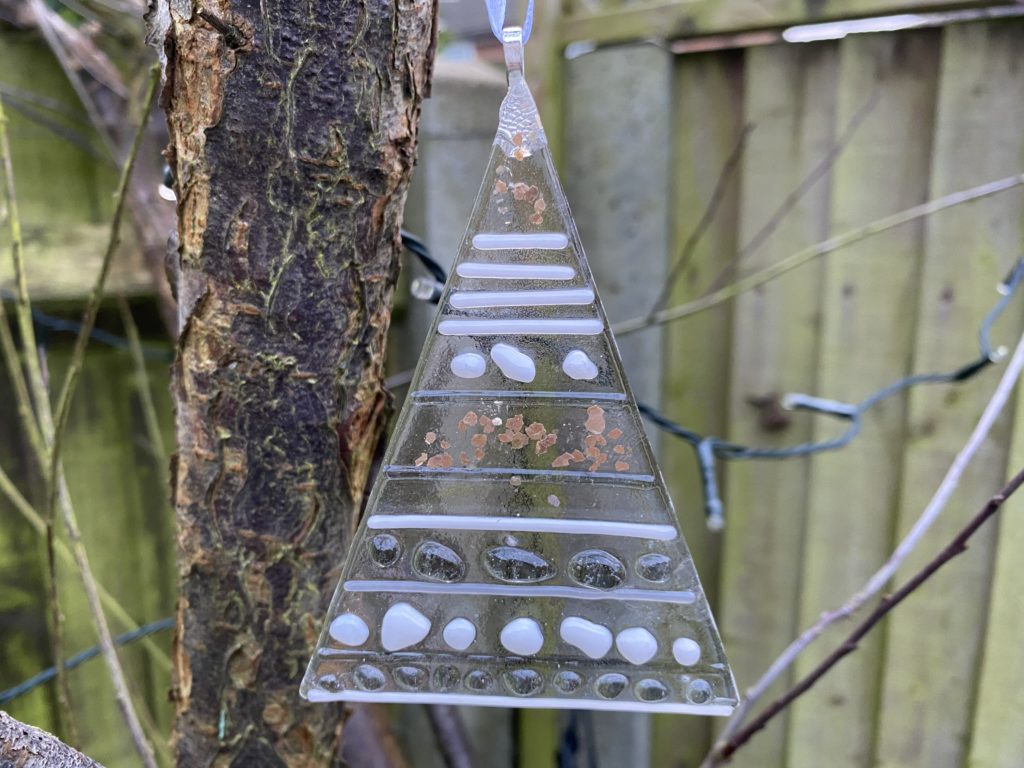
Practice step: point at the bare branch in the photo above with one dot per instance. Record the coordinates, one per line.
(955, 547)
(812, 252)
(450, 733)
(875, 584)
(24, 745)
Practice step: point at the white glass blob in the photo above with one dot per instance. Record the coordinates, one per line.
(519, 548)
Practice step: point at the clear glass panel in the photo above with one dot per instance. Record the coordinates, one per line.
(519, 546)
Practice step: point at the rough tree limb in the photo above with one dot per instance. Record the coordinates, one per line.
(293, 135)
(24, 746)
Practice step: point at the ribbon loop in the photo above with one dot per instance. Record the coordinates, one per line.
(496, 14)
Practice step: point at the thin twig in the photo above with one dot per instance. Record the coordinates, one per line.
(955, 547)
(63, 407)
(708, 216)
(57, 489)
(787, 205)
(875, 584)
(22, 307)
(33, 518)
(812, 252)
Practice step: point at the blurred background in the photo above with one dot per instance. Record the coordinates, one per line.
(699, 143)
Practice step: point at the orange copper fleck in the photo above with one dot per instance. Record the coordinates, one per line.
(478, 441)
(578, 455)
(619, 449)
(595, 419)
(615, 433)
(517, 139)
(463, 458)
(562, 460)
(535, 431)
(500, 187)
(515, 423)
(519, 440)
(442, 460)
(479, 453)
(505, 436)
(621, 466)
(470, 418)
(430, 437)
(420, 459)
(537, 219)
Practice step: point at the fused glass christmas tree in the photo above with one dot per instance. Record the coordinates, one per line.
(519, 547)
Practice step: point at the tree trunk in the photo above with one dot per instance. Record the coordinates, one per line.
(293, 135)
(23, 746)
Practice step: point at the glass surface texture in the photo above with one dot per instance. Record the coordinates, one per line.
(519, 547)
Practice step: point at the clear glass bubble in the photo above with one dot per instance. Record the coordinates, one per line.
(385, 549)
(650, 690)
(654, 567)
(446, 678)
(611, 685)
(699, 691)
(478, 680)
(523, 682)
(368, 677)
(410, 678)
(598, 569)
(517, 566)
(329, 682)
(433, 560)
(568, 682)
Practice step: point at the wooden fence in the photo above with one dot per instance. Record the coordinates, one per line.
(816, 139)
(820, 138)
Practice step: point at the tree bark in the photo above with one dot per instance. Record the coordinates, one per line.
(24, 746)
(293, 135)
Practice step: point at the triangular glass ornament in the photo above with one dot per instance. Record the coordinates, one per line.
(519, 547)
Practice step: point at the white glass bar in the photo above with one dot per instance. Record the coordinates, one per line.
(469, 700)
(495, 241)
(682, 597)
(526, 525)
(556, 297)
(514, 271)
(552, 327)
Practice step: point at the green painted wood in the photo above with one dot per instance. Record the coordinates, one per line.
(123, 510)
(789, 99)
(24, 635)
(934, 641)
(869, 306)
(707, 118)
(64, 192)
(690, 18)
(997, 740)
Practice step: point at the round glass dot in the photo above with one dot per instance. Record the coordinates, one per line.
(385, 550)
(611, 685)
(654, 567)
(368, 677)
(410, 678)
(329, 682)
(478, 680)
(698, 691)
(568, 682)
(650, 690)
(523, 682)
(446, 678)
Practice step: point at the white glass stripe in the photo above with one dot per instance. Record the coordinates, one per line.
(683, 597)
(553, 327)
(493, 241)
(470, 700)
(526, 525)
(556, 297)
(515, 271)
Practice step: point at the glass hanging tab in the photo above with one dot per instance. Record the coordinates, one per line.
(519, 547)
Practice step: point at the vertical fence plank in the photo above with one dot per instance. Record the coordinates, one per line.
(869, 309)
(122, 514)
(707, 121)
(789, 102)
(934, 641)
(617, 180)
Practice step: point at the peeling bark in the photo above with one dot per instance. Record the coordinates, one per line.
(293, 135)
